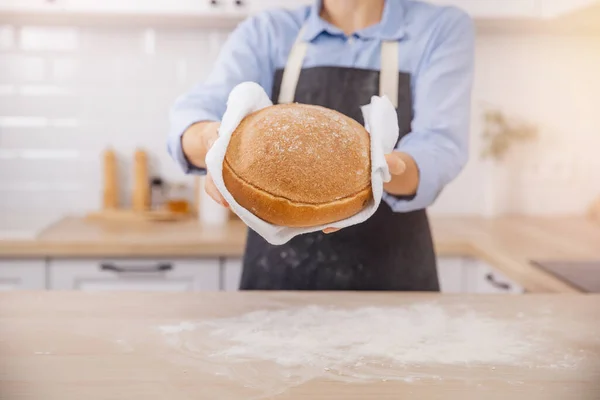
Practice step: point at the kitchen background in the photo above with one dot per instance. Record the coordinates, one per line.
(71, 87)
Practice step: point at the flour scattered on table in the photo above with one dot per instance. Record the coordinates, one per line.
(329, 337)
(124, 345)
(365, 344)
(332, 338)
(181, 327)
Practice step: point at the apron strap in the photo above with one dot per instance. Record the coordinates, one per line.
(388, 76)
(292, 70)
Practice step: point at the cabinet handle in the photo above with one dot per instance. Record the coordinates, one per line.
(156, 268)
(500, 285)
(239, 3)
(214, 2)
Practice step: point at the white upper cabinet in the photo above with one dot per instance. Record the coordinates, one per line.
(255, 6)
(495, 9)
(138, 6)
(517, 9)
(231, 12)
(33, 5)
(557, 8)
(195, 7)
(153, 7)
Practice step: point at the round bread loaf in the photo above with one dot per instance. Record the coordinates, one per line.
(299, 165)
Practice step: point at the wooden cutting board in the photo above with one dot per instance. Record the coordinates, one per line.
(137, 216)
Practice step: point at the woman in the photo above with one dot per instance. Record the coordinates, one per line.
(337, 54)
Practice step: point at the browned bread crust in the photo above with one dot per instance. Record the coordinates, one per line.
(299, 165)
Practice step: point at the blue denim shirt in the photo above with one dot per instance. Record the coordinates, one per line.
(436, 48)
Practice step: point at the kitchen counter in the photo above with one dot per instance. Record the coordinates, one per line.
(56, 345)
(508, 244)
(80, 237)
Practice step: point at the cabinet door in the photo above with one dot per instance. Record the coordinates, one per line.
(135, 275)
(142, 7)
(22, 274)
(254, 6)
(33, 5)
(556, 8)
(451, 274)
(232, 274)
(496, 8)
(483, 278)
(134, 7)
(502, 8)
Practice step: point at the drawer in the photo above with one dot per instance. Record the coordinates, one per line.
(163, 275)
(22, 274)
(483, 278)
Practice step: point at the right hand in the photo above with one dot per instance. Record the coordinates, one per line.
(196, 141)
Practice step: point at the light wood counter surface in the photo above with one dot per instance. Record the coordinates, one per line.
(509, 244)
(79, 237)
(63, 346)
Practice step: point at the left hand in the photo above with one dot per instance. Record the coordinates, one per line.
(405, 177)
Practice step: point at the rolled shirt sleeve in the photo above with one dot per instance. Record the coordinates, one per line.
(439, 140)
(245, 56)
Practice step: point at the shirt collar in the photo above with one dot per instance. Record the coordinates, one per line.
(391, 26)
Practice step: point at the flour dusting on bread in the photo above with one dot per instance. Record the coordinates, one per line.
(312, 149)
(299, 165)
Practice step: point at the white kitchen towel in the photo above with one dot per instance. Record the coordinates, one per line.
(380, 121)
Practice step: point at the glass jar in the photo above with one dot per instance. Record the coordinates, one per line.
(157, 193)
(178, 199)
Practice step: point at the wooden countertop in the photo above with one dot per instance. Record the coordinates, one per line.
(508, 244)
(57, 345)
(80, 237)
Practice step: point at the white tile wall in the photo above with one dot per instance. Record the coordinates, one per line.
(7, 37)
(21, 68)
(553, 82)
(46, 38)
(66, 93)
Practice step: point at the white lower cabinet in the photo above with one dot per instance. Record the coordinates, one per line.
(452, 274)
(180, 275)
(456, 275)
(232, 274)
(469, 275)
(483, 278)
(22, 274)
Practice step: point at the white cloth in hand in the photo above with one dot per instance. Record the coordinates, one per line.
(380, 121)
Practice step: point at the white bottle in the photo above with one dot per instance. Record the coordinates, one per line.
(210, 212)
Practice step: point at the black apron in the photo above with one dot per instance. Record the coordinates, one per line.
(389, 251)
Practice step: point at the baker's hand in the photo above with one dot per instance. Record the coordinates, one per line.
(213, 192)
(196, 141)
(405, 174)
(405, 177)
